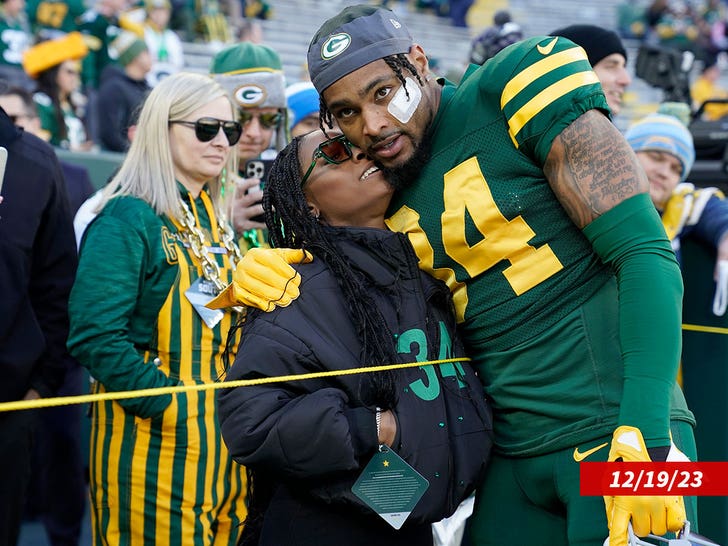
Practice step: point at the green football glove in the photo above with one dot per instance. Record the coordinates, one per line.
(656, 515)
(264, 279)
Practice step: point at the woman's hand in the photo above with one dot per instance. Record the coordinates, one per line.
(387, 428)
(246, 204)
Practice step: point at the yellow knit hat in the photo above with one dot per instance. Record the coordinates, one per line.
(50, 53)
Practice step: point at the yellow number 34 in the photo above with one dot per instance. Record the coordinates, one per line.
(465, 188)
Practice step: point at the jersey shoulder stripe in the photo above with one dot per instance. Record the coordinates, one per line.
(545, 75)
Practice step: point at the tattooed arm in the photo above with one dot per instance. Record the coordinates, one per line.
(591, 168)
(596, 177)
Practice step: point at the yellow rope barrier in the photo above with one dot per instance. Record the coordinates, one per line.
(708, 329)
(82, 399)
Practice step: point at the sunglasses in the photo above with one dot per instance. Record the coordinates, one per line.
(335, 151)
(269, 121)
(207, 128)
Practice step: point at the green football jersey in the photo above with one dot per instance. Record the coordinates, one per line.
(14, 40)
(52, 18)
(483, 218)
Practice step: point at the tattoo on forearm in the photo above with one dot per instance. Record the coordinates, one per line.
(591, 168)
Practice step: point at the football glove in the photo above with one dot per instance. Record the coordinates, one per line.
(653, 514)
(264, 279)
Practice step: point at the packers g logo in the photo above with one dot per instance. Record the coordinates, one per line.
(335, 45)
(250, 95)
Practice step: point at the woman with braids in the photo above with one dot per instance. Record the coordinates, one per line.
(363, 303)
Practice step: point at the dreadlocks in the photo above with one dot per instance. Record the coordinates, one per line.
(292, 225)
(396, 62)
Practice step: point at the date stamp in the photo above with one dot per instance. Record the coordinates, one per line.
(654, 479)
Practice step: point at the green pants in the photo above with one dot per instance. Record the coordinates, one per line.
(535, 501)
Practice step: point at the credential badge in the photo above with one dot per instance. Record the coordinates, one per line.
(335, 45)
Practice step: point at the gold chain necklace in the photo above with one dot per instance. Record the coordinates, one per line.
(193, 236)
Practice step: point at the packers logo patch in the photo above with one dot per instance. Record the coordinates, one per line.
(169, 246)
(335, 45)
(250, 95)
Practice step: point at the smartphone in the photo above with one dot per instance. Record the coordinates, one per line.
(3, 163)
(258, 168)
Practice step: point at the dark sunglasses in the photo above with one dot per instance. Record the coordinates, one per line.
(269, 121)
(335, 151)
(207, 128)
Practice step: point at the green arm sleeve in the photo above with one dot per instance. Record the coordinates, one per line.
(632, 240)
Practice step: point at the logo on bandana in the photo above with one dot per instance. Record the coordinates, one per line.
(250, 95)
(335, 45)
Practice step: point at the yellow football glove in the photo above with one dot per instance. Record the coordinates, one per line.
(264, 279)
(656, 515)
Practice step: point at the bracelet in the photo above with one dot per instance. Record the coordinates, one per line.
(378, 418)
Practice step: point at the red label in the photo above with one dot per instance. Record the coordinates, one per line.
(653, 479)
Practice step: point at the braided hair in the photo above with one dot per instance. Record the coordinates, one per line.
(397, 63)
(292, 225)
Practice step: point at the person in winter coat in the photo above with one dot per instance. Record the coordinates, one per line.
(363, 302)
(122, 91)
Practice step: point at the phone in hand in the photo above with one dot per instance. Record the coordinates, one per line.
(258, 168)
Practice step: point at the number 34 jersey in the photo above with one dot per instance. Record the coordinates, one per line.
(483, 218)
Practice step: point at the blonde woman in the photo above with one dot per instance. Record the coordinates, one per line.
(158, 250)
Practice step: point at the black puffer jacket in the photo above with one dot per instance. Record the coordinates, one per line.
(315, 436)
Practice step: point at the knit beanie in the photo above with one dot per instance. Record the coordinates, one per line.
(663, 133)
(598, 42)
(126, 47)
(355, 37)
(252, 74)
(303, 100)
(50, 53)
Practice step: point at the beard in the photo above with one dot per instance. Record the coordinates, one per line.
(406, 175)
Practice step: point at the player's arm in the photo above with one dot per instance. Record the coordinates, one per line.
(591, 168)
(596, 177)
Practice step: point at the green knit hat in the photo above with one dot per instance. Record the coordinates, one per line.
(252, 74)
(126, 47)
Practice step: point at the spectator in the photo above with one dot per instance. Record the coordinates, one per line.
(51, 19)
(162, 242)
(706, 87)
(257, 9)
(251, 31)
(37, 268)
(55, 66)
(665, 149)
(22, 110)
(364, 303)
(15, 39)
(253, 76)
(607, 56)
(303, 108)
(165, 47)
(503, 33)
(212, 24)
(58, 486)
(123, 89)
(100, 25)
